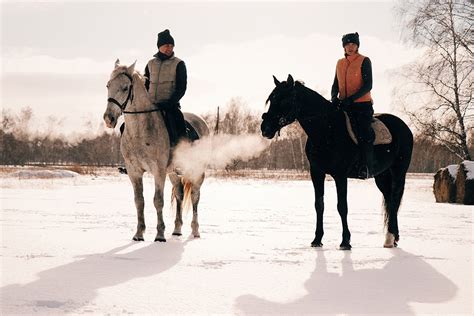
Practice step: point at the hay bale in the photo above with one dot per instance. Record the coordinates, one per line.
(465, 183)
(444, 186)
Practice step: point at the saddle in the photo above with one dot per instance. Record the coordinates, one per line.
(382, 134)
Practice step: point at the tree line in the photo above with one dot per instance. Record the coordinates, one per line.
(20, 146)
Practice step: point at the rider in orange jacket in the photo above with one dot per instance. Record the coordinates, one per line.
(351, 92)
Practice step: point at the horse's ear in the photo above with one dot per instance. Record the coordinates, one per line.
(117, 63)
(290, 80)
(275, 80)
(131, 68)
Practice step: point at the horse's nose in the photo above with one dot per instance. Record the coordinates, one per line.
(109, 120)
(266, 132)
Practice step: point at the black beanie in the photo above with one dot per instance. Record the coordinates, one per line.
(350, 38)
(165, 38)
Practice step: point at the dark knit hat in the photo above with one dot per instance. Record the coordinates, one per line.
(350, 38)
(165, 38)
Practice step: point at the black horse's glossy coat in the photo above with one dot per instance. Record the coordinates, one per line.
(330, 150)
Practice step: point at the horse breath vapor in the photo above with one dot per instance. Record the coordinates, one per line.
(217, 152)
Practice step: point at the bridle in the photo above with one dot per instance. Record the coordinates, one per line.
(294, 113)
(129, 98)
(284, 120)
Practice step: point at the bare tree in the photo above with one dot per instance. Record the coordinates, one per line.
(437, 95)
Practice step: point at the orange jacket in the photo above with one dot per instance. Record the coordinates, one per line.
(349, 77)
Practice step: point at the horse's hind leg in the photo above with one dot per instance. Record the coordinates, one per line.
(178, 196)
(195, 196)
(137, 183)
(392, 185)
(158, 202)
(398, 187)
(384, 183)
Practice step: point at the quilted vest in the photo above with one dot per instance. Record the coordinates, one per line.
(349, 77)
(162, 78)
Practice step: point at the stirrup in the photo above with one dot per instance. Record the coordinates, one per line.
(363, 173)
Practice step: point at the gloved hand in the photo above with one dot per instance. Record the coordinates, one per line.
(336, 102)
(346, 104)
(165, 105)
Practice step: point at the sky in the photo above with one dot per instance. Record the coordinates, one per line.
(57, 56)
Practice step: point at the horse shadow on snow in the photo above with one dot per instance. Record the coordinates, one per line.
(404, 279)
(69, 287)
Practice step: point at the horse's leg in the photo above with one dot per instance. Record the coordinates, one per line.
(317, 178)
(398, 187)
(384, 183)
(159, 202)
(178, 195)
(137, 183)
(195, 196)
(341, 187)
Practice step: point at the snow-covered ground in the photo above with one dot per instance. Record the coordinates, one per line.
(66, 248)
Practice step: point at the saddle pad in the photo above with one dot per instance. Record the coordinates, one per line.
(382, 134)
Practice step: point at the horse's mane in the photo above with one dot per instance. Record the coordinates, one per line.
(311, 93)
(123, 69)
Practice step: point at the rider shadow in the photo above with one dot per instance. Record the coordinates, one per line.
(405, 278)
(74, 285)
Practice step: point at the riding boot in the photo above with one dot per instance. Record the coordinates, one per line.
(171, 127)
(366, 160)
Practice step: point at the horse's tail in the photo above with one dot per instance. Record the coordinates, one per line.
(187, 198)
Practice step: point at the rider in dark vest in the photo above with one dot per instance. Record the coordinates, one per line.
(351, 92)
(166, 81)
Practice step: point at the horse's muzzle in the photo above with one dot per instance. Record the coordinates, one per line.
(267, 132)
(110, 120)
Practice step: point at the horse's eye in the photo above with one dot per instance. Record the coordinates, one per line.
(124, 89)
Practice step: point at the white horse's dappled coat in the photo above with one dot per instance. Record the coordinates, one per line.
(145, 146)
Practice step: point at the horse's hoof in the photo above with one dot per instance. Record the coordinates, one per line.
(177, 234)
(135, 238)
(389, 241)
(160, 239)
(197, 236)
(316, 244)
(345, 246)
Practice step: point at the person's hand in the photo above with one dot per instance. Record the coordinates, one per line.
(346, 104)
(164, 105)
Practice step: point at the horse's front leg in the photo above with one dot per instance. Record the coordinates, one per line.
(159, 202)
(137, 183)
(317, 178)
(341, 187)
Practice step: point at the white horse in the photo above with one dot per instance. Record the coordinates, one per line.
(145, 146)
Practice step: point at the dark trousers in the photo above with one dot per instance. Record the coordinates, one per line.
(175, 124)
(361, 115)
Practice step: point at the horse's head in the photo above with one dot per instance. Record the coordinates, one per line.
(283, 109)
(119, 88)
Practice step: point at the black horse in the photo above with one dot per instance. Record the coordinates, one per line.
(330, 150)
